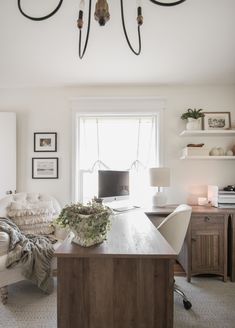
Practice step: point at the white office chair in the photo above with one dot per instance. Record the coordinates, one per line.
(174, 229)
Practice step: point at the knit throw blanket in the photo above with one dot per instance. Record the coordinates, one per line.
(33, 252)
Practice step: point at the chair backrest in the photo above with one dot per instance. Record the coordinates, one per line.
(28, 198)
(175, 225)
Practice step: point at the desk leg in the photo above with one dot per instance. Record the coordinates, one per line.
(232, 249)
(115, 293)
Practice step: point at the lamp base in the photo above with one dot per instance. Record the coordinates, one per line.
(159, 199)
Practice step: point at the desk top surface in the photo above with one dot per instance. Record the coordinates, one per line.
(131, 235)
(196, 209)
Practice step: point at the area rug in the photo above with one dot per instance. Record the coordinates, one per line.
(213, 306)
(28, 307)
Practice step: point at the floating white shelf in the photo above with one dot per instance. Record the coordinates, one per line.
(208, 157)
(186, 133)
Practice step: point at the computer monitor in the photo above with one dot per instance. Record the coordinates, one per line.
(113, 185)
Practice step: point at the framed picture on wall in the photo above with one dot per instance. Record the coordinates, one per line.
(45, 141)
(216, 121)
(45, 168)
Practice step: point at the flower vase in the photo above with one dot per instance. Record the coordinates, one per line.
(91, 230)
(88, 223)
(193, 124)
(87, 242)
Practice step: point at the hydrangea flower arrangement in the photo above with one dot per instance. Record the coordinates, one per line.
(89, 222)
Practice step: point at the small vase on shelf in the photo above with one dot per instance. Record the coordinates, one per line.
(193, 117)
(193, 124)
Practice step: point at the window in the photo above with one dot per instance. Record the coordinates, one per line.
(118, 143)
(116, 133)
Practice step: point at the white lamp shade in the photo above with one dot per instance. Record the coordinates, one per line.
(159, 176)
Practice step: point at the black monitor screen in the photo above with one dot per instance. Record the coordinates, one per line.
(113, 183)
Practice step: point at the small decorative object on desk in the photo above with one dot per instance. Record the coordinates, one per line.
(229, 188)
(89, 223)
(202, 201)
(193, 117)
(226, 197)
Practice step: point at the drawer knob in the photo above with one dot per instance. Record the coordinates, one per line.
(207, 218)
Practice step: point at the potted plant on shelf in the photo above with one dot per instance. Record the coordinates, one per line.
(89, 223)
(193, 117)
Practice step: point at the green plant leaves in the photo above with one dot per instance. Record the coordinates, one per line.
(193, 113)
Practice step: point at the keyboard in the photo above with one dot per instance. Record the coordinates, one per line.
(125, 208)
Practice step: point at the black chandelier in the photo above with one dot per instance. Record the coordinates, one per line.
(102, 16)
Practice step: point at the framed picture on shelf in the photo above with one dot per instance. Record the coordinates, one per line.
(45, 141)
(216, 121)
(45, 167)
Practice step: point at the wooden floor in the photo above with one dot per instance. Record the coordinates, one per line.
(178, 270)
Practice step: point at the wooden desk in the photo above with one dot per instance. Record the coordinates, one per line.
(125, 282)
(209, 246)
(158, 214)
(231, 245)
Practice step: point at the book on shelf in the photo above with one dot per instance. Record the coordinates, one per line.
(227, 195)
(224, 192)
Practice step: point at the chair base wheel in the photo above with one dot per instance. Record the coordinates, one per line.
(4, 295)
(187, 305)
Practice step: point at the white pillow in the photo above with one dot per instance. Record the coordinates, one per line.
(32, 218)
(28, 209)
(37, 229)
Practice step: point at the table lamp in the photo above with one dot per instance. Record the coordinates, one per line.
(159, 177)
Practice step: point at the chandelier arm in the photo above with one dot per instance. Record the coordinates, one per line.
(39, 18)
(81, 53)
(125, 32)
(167, 4)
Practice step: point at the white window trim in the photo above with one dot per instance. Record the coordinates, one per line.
(116, 107)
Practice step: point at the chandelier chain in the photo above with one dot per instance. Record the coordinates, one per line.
(167, 4)
(125, 32)
(39, 18)
(81, 53)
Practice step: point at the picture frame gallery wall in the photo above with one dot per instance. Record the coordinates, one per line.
(45, 167)
(45, 142)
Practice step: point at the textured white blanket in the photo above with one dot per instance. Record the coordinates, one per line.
(33, 252)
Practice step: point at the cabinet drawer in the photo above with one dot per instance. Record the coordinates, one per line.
(204, 220)
(207, 252)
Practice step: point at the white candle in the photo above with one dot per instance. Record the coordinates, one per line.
(202, 201)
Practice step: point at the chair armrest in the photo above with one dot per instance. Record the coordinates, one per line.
(60, 233)
(4, 242)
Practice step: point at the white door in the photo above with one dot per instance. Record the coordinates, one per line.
(7, 153)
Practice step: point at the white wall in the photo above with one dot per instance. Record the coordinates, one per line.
(46, 110)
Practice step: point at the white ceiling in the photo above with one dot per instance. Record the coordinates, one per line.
(192, 43)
